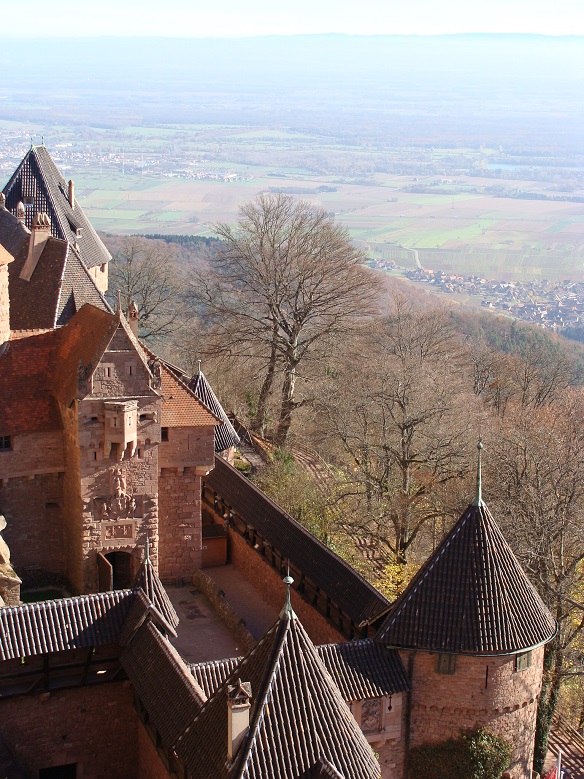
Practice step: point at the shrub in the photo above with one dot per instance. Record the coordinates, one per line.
(477, 754)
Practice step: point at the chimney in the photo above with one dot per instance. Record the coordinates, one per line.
(238, 706)
(2, 201)
(20, 211)
(133, 317)
(71, 193)
(39, 235)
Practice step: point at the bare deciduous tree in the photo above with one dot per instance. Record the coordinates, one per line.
(398, 419)
(287, 279)
(145, 271)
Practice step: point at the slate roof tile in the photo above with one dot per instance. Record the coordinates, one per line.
(58, 287)
(361, 670)
(59, 625)
(297, 718)
(162, 682)
(471, 597)
(225, 435)
(38, 179)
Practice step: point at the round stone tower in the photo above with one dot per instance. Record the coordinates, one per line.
(471, 630)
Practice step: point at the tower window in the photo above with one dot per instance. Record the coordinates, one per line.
(523, 661)
(445, 664)
(164, 434)
(5, 443)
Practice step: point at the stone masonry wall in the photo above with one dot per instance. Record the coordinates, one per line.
(188, 447)
(150, 766)
(119, 496)
(179, 523)
(95, 727)
(269, 583)
(482, 692)
(33, 507)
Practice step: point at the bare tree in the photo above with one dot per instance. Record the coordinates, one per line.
(287, 280)
(145, 271)
(398, 419)
(538, 491)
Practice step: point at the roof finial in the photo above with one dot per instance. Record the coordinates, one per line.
(42, 140)
(31, 142)
(147, 550)
(479, 498)
(119, 306)
(199, 361)
(288, 611)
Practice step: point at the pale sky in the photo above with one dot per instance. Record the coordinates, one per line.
(229, 18)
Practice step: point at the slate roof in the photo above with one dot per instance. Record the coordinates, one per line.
(38, 178)
(364, 669)
(361, 670)
(162, 682)
(59, 625)
(225, 435)
(148, 580)
(470, 597)
(355, 596)
(298, 719)
(58, 287)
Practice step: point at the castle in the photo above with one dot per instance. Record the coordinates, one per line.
(112, 481)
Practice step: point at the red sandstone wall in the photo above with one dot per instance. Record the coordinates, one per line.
(506, 702)
(33, 508)
(269, 583)
(179, 523)
(150, 766)
(95, 727)
(188, 447)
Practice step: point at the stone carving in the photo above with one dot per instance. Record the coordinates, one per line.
(371, 715)
(155, 370)
(120, 505)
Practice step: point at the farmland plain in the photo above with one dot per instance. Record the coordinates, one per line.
(478, 168)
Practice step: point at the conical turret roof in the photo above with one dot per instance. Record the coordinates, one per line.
(471, 596)
(299, 723)
(225, 435)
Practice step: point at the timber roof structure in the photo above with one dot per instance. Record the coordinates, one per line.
(299, 721)
(225, 435)
(147, 579)
(40, 187)
(470, 597)
(58, 287)
(361, 670)
(325, 569)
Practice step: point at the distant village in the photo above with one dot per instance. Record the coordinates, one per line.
(553, 305)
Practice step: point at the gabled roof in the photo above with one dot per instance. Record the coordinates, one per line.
(325, 569)
(59, 286)
(162, 682)
(60, 625)
(148, 580)
(298, 718)
(181, 407)
(37, 180)
(225, 435)
(470, 597)
(361, 670)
